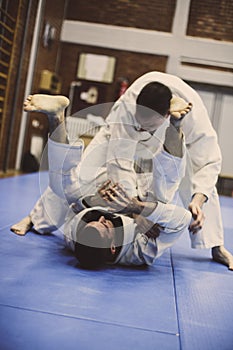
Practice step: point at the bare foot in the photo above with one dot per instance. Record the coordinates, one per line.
(222, 256)
(22, 227)
(46, 103)
(54, 107)
(179, 107)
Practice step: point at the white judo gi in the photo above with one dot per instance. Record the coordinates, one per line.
(137, 248)
(204, 155)
(127, 143)
(203, 152)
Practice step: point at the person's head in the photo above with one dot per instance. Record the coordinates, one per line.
(152, 105)
(96, 243)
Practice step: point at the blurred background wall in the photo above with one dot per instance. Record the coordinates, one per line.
(45, 47)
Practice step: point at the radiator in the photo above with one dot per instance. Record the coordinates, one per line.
(77, 127)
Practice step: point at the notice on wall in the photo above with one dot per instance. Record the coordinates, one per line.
(96, 67)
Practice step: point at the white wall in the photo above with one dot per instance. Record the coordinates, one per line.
(220, 105)
(225, 133)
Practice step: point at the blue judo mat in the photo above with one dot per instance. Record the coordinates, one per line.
(184, 301)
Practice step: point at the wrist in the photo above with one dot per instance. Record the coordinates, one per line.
(135, 206)
(199, 198)
(148, 208)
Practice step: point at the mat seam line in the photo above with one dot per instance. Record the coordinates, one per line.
(87, 319)
(176, 301)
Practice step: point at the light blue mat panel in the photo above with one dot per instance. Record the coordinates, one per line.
(44, 331)
(49, 302)
(184, 301)
(204, 292)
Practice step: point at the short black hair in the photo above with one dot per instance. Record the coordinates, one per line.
(155, 96)
(91, 249)
(94, 255)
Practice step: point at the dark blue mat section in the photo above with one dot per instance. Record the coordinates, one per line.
(47, 278)
(204, 292)
(45, 292)
(18, 195)
(184, 301)
(205, 309)
(24, 329)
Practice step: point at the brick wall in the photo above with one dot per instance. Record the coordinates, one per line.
(128, 64)
(48, 57)
(152, 15)
(211, 19)
(24, 12)
(146, 14)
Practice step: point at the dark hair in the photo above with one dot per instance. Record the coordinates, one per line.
(91, 249)
(89, 252)
(155, 96)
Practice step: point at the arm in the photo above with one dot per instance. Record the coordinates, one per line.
(195, 207)
(205, 156)
(154, 233)
(149, 216)
(203, 149)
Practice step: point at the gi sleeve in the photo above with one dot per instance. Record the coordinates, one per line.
(173, 221)
(202, 149)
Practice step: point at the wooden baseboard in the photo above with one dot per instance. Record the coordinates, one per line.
(10, 173)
